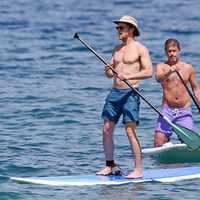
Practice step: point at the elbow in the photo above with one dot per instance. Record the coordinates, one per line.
(150, 74)
(158, 80)
(109, 75)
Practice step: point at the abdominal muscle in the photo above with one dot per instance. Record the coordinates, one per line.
(122, 85)
(126, 69)
(176, 99)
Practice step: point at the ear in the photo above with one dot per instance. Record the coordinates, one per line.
(132, 29)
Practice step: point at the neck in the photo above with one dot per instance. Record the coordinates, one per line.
(128, 40)
(172, 62)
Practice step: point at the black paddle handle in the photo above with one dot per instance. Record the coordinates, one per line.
(106, 63)
(193, 98)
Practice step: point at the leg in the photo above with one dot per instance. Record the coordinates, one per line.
(108, 145)
(185, 119)
(136, 150)
(163, 131)
(160, 139)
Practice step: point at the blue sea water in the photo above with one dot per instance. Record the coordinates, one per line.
(52, 90)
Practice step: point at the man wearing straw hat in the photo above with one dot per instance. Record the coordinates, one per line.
(132, 62)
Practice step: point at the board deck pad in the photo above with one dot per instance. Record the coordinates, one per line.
(159, 175)
(173, 153)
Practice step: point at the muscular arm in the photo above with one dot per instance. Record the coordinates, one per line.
(146, 65)
(108, 71)
(162, 72)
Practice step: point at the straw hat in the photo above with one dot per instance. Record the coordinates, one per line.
(129, 20)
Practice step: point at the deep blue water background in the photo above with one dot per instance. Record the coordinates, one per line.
(52, 90)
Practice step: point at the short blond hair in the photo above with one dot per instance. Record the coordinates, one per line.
(173, 42)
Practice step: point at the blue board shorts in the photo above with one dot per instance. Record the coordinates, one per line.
(180, 116)
(121, 101)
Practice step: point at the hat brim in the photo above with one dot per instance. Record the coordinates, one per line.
(137, 32)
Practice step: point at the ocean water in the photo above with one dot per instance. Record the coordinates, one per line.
(52, 91)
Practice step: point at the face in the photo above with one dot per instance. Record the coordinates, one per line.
(172, 52)
(123, 30)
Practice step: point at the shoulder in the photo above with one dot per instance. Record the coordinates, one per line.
(141, 46)
(141, 49)
(117, 47)
(188, 67)
(161, 65)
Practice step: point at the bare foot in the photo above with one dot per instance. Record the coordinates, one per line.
(134, 175)
(105, 171)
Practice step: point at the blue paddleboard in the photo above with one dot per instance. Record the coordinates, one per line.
(159, 175)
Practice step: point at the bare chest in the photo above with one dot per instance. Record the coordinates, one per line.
(126, 55)
(174, 79)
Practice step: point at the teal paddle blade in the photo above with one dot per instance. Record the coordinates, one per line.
(189, 137)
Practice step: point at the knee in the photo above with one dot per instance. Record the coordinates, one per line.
(160, 139)
(130, 130)
(158, 143)
(108, 129)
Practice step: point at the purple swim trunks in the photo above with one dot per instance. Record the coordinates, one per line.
(180, 116)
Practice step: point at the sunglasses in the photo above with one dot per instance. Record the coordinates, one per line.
(121, 28)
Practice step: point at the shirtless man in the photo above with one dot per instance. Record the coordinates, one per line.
(176, 103)
(132, 61)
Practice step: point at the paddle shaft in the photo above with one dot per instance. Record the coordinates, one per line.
(106, 63)
(193, 98)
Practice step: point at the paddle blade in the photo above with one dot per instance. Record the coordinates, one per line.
(189, 137)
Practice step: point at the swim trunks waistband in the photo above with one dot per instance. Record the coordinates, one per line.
(125, 89)
(173, 108)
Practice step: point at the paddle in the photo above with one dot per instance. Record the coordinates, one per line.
(193, 98)
(190, 138)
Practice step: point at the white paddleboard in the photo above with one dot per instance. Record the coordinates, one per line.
(159, 175)
(174, 152)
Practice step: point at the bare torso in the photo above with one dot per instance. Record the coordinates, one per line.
(126, 59)
(174, 92)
